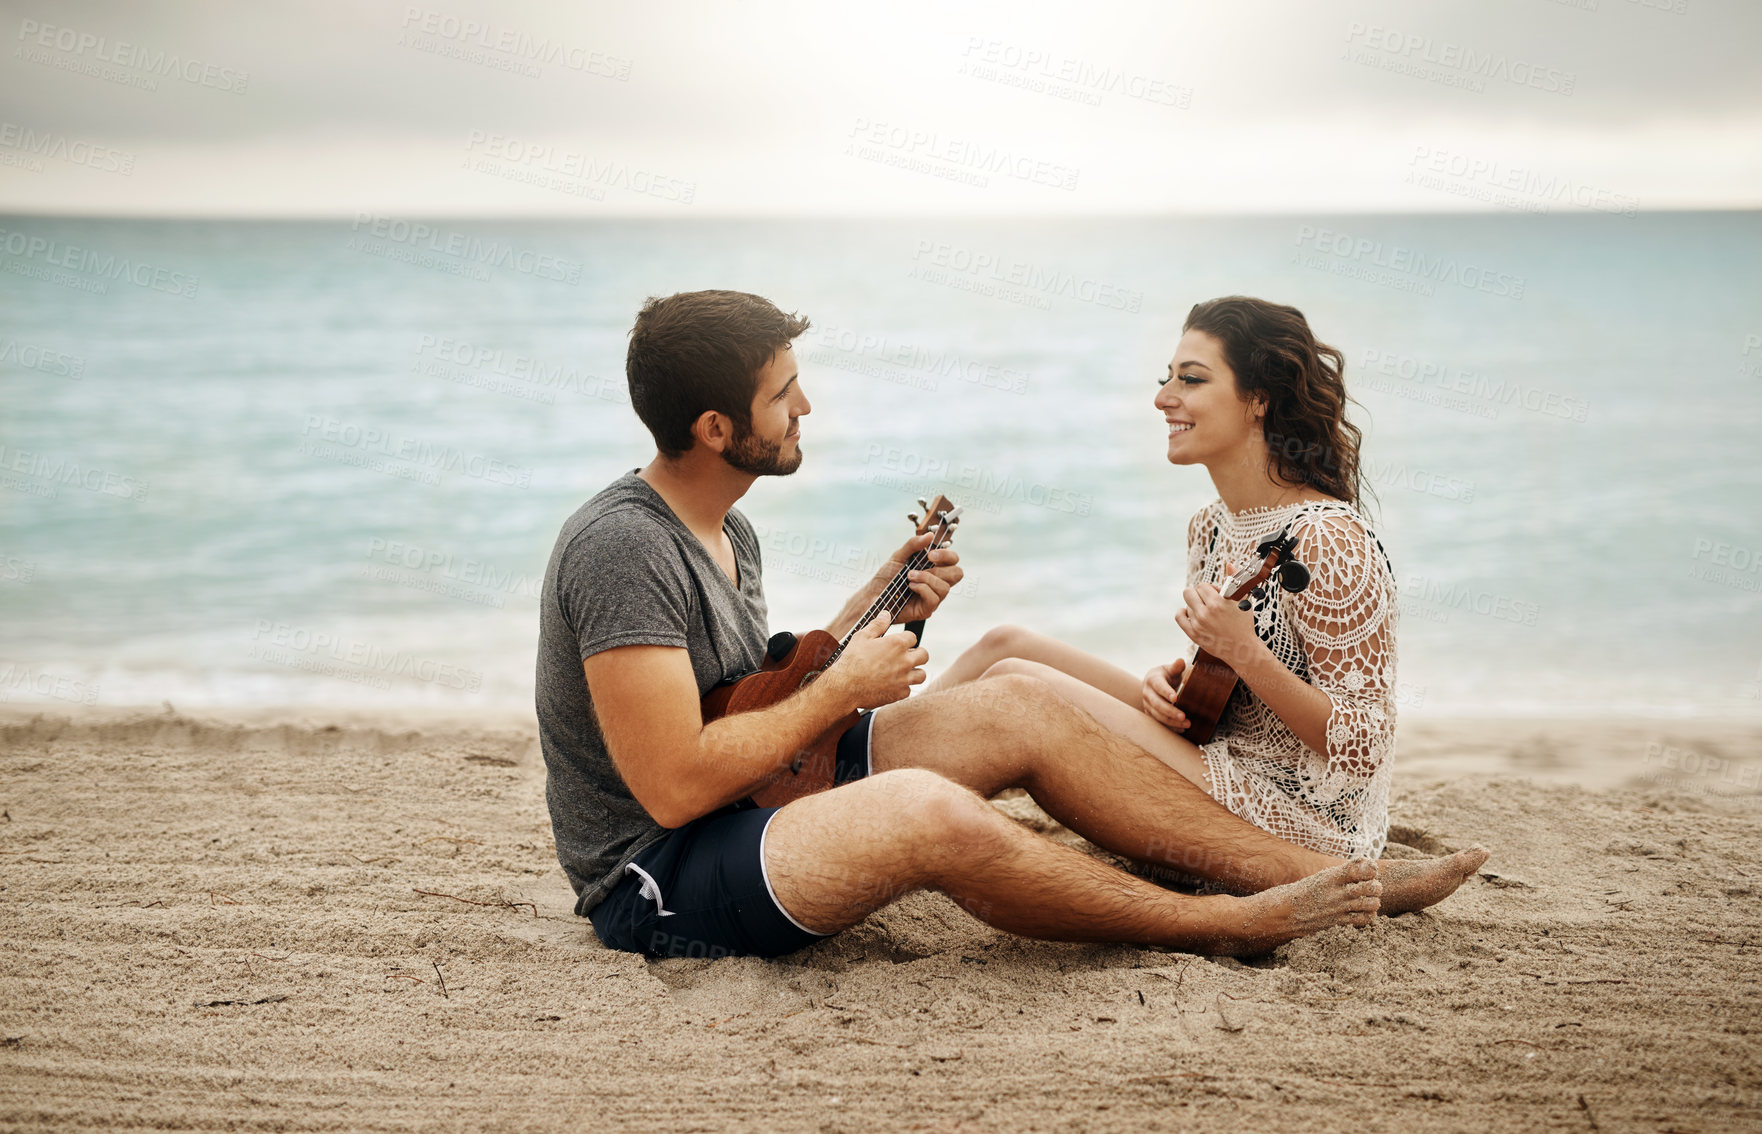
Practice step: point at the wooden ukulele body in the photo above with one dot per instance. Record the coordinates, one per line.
(812, 768)
(1206, 686)
(788, 667)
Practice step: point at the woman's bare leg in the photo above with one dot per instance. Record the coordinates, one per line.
(1128, 721)
(1002, 643)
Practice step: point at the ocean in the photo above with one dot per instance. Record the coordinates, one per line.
(323, 463)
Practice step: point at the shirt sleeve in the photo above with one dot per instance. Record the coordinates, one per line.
(1345, 622)
(622, 582)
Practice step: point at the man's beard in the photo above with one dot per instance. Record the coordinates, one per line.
(756, 457)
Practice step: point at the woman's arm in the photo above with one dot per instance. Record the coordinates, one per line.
(1305, 709)
(1227, 633)
(1344, 624)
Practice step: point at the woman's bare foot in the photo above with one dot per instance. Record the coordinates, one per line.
(1340, 895)
(1414, 884)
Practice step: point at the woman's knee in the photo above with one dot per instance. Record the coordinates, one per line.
(1007, 641)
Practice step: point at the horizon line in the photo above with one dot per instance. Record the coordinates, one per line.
(1122, 214)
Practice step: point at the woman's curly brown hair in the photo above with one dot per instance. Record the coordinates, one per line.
(1302, 382)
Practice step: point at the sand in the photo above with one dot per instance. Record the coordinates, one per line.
(304, 921)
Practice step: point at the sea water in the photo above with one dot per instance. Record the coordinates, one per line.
(324, 462)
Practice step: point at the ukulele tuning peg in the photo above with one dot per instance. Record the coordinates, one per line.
(1293, 576)
(923, 503)
(913, 517)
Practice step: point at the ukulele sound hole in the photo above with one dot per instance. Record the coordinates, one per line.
(808, 678)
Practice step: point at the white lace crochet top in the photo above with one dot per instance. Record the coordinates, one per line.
(1339, 636)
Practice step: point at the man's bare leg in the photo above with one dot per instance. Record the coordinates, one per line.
(833, 857)
(1015, 730)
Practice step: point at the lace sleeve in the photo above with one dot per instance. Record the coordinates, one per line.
(1196, 532)
(1345, 622)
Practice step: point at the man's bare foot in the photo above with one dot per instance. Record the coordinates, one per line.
(1340, 895)
(1414, 884)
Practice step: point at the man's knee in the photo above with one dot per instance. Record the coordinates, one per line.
(1009, 711)
(938, 816)
(1006, 667)
(909, 793)
(1019, 685)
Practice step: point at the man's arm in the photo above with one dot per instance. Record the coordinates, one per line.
(678, 768)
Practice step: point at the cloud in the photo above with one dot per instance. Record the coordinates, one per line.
(773, 107)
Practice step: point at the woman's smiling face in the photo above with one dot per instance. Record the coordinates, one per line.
(1207, 417)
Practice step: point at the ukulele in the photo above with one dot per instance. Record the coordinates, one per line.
(1207, 683)
(792, 662)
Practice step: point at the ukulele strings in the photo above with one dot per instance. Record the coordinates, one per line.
(1241, 579)
(895, 592)
(893, 596)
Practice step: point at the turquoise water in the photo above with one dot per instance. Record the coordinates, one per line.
(323, 463)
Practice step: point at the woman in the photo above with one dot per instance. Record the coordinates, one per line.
(1304, 747)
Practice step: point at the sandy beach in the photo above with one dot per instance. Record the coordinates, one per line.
(345, 921)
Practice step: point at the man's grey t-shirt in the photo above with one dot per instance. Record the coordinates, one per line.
(625, 572)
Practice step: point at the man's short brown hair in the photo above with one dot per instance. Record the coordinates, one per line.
(698, 351)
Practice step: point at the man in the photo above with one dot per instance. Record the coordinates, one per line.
(653, 595)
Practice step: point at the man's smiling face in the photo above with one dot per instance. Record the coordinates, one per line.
(772, 446)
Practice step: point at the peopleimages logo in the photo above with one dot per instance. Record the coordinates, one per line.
(516, 46)
(1410, 261)
(1424, 56)
(36, 250)
(557, 168)
(933, 364)
(462, 249)
(51, 472)
(1472, 600)
(1062, 76)
(1490, 179)
(74, 151)
(30, 356)
(445, 565)
(493, 364)
(281, 642)
(19, 682)
(879, 140)
(1501, 393)
(88, 50)
(1031, 278)
(329, 436)
(995, 486)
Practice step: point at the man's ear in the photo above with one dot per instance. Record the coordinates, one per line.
(713, 430)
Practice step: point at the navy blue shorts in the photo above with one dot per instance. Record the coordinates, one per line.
(701, 890)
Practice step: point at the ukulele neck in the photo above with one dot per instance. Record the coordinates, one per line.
(1240, 584)
(896, 594)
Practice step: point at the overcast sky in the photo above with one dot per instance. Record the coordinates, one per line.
(691, 107)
